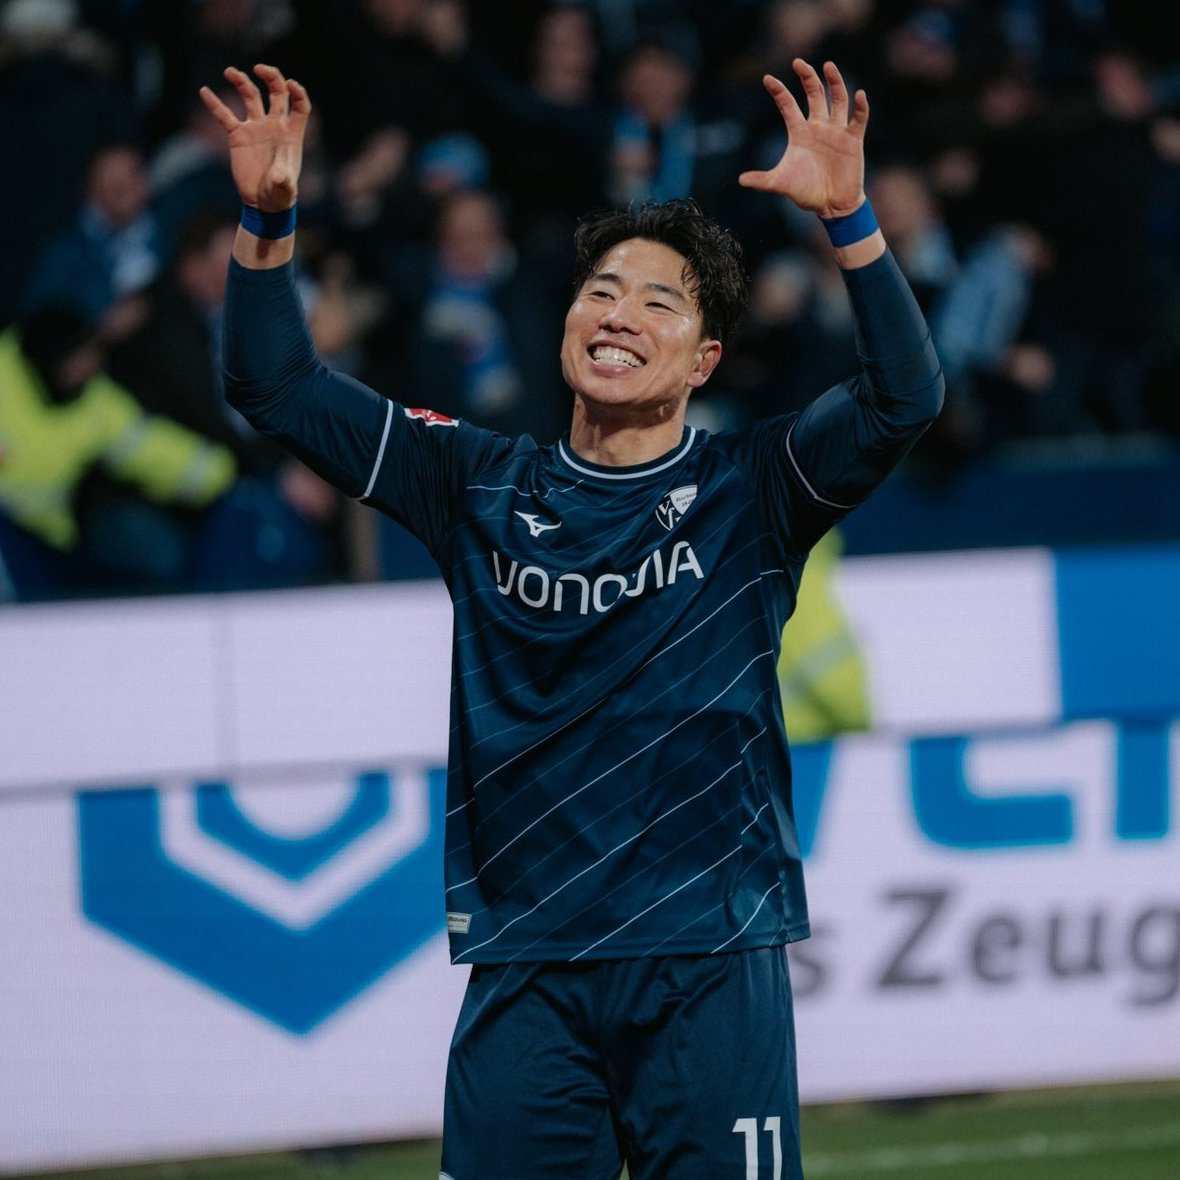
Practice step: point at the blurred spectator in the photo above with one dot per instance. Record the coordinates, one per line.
(997, 372)
(1055, 38)
(652, 157)
(366, 203)
(483, 345)
(979, 149)
(795, 342)
(277, 525)
(377, 64)
(58, 104)
(850, 36)
(482, 330)
(195, 40)
(451, 163)
(664, 143)
(1164, 378)
(172, 363)
(341, 308)
(627, 23)
(786, 29)
(1025, 167)
(189, 171)
(547, 135)
(63, 423)
(385, 85)
(1104, 288)
(931, 54)
(822, 673)
(363, 182)
(398, 252)
(911, 219)
(107, 259)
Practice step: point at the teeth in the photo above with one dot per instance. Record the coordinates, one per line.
(616, 356)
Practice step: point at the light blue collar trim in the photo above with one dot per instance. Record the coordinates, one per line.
(639, 471)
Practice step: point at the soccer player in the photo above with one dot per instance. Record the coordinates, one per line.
(622, 869)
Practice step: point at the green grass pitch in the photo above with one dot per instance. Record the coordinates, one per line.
(1129, 1131)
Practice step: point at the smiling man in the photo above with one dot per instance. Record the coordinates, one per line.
(635, 343)
(622, 868)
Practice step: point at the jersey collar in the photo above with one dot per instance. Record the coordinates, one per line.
(638, 471)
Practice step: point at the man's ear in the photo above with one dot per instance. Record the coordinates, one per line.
(707, 358)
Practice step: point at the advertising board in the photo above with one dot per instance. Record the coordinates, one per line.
(221, 919)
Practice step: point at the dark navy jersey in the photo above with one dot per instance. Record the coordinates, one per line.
(619, 776)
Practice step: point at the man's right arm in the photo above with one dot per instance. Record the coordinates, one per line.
(357, 440)
(411, 464)
(273, 376)
(337, 426)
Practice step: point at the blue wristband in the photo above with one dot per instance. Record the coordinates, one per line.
(270, 226)
(843, 231)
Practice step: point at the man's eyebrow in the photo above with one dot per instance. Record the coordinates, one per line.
(609, 276)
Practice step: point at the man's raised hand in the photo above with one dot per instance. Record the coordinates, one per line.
(266, 146)
(822, 169)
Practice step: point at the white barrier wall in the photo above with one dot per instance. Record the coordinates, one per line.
(220, 884)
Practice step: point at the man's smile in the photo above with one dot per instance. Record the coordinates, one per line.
(612, 354)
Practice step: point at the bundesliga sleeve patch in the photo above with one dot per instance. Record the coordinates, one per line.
(431, 417)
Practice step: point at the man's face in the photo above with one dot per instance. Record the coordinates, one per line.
(633, 335)
(118, 185)
(471, 236)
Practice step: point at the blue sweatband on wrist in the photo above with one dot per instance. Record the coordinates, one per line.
(271, 226)
(843, 231)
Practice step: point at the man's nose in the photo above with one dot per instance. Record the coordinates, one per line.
(620, 316)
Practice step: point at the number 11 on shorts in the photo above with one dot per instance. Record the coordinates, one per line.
(749, 1128)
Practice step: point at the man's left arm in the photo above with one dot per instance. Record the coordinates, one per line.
(846, 442)
(850, 438)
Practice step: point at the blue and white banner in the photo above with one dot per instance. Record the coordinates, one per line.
(221, 919)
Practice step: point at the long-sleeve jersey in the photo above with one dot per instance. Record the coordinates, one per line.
(619, 780)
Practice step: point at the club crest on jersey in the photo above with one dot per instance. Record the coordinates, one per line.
(431, 417)
(675, 504)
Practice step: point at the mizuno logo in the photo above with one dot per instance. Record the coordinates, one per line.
(536, 525)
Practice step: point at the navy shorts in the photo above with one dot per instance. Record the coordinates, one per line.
(684, 1067)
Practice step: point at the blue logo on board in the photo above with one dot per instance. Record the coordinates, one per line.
(290, 900)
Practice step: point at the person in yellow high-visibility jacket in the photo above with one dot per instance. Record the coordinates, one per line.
(61, 418)
(822, 675)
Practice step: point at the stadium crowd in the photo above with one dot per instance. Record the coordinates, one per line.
(1024, 163)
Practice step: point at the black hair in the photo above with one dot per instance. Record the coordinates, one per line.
(51, 332)
(713, 268)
